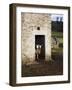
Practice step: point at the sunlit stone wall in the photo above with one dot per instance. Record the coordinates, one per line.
(29, 24)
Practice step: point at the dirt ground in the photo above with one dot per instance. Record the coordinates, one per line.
(54, 67)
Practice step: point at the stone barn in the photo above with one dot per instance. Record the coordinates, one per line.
(35, 37)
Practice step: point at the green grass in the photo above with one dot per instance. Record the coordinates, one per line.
(57, 34)
(57, 50)
(60, 40)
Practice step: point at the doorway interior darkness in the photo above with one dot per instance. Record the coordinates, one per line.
(40, 48)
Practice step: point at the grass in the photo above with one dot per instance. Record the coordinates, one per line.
(57, 34)
(60, 40)
(57, 50)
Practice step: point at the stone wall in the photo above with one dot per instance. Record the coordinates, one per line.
(29, 24)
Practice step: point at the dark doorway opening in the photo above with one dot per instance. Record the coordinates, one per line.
(40, 48)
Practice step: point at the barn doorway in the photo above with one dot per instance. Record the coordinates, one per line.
(40, 48)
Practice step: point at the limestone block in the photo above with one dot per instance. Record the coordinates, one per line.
(29, 24)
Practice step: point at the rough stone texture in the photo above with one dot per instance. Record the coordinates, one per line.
(29, 24)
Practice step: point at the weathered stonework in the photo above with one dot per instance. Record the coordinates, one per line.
(29, 24)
